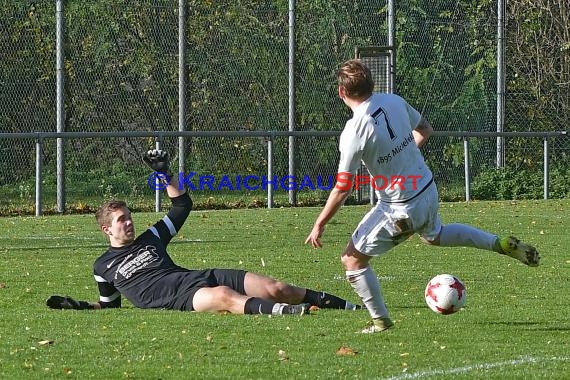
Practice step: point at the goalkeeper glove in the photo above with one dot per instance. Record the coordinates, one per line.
(157, 160)
(59, 302)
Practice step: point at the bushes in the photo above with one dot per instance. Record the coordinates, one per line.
(509, 183)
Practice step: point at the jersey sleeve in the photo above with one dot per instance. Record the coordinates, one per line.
(166, 228)
(109, 296)
(413, 115)
(351, 150)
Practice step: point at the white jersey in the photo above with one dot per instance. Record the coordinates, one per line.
(380, 135)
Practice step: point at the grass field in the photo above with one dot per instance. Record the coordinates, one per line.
(515, 325)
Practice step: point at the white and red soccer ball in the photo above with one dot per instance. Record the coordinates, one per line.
(445, 294)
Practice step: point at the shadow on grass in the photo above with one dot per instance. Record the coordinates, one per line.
(538, 326)
(102, 246)
(405, 307)
(26, 249)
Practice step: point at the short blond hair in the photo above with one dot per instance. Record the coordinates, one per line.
(103, 214)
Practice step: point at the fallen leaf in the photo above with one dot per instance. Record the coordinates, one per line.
(346, 351)
(282, 355)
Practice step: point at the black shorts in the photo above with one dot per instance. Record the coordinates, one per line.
(207, 278)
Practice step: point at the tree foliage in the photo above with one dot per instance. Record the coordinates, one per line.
(121, 73)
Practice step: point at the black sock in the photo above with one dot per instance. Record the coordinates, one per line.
(256, 305)
(324, 300)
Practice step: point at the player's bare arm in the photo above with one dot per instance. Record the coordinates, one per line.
(422, 132)
(336, 199)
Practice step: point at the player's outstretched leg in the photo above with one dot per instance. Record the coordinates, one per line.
(513, 247)
(462, 235)
(324, 300)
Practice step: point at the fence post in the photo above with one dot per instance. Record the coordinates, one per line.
(501, 9)
(182, 83)
(292, 192)
(60, 108)
(392, 44)
(157, 190)
(546, 174)
(467, 175)
(39, 167)
(270, 170)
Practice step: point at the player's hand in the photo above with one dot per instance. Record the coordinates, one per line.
(60, 302)
(157, 160)
(314, 237)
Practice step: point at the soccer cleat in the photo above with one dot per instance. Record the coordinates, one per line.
(513, 247)
(377, 325)
(300, 309)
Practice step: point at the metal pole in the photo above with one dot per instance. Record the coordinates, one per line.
(182, 82)
(546, 174)
(158, 144)
(501, 9)
(392, 44)
(292, 192)
(60, 110)
(39, 166)
(269, 172)
(467, 175)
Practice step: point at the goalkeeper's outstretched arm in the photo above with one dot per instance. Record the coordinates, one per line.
(109, 297)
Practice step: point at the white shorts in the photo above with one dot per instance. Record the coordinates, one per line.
(389, 224)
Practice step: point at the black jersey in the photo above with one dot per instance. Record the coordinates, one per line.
(143, 272)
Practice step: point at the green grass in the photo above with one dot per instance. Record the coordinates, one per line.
(515, 324)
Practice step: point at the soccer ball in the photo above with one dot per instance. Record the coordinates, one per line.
(445, 294)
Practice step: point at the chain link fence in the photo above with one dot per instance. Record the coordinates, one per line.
(121, 74)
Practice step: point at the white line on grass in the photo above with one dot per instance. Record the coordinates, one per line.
(474, 367)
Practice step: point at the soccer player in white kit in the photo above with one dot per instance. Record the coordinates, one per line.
(385, 133)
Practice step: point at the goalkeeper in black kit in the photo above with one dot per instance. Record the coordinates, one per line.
(141, 270)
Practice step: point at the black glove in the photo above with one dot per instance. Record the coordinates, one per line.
(59, 302)
(157, 160)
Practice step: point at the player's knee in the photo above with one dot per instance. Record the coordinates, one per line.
(345, 261)
(352, 262)
(280, 290)
(225, 295)
(352, 259)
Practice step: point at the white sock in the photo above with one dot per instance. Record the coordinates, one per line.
(366, 285)
(462, 235)
(349, 306)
